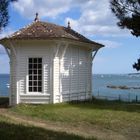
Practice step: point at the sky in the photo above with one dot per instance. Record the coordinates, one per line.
(91, 18)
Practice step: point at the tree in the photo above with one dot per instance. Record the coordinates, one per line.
(128, 13)
(137, 65)
(4, 15)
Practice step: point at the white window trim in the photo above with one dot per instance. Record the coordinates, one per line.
(27, 76)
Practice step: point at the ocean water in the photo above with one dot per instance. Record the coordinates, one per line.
(99, 85)
(4, 81)
(101, 81)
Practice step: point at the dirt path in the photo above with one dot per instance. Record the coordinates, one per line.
(83, 130)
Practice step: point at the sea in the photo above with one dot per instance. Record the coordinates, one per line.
(99, 86)
(100, 83)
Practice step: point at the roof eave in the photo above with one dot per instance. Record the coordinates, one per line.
(71, 41)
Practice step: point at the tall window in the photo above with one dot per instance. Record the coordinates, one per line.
(35, 74)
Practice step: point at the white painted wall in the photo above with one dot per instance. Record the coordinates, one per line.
(37, 49)
(75, 70)
(66, 72)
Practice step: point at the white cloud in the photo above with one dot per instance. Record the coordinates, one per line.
(50, 8)
(5, 33)
(96, 17)
(45, 8)
(110, 44)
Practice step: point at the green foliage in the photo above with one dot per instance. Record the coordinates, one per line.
(4, 15)
(128, 13)
(137, 65)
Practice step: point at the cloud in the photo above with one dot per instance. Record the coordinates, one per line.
(96, 19)
(95, 16)
(45, 8)
(5, 33)
(110, 44)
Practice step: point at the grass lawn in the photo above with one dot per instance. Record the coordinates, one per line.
(12, 131)
(104, 119)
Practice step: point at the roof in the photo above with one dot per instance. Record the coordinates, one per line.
(46, 30)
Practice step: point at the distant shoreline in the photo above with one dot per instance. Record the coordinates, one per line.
(122, 87)
(116, 74)
(133, 73)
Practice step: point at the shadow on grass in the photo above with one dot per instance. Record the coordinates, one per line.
(107, 105)
(20, 132)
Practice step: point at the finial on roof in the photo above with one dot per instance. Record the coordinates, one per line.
(69, 25)
(36, 17)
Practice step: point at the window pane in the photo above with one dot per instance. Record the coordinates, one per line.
(35, 77)
(30, 71)
(39, 72)
(30, 77)
(30, 83)
(35, 71)
(39, 89)
(30, 66)
(35, 66)
(35, 89)
(39, 66)
(39, 77)
(39, 60)
(35, 83)
(35, 60)
(30, 60)
(35, 74)
(30, 89)
(39, 83)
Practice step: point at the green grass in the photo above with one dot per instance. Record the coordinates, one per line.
(12, 131)
(95, 112)
(118, 117)
(101, 119)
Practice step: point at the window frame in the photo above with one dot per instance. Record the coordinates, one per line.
(27, 78)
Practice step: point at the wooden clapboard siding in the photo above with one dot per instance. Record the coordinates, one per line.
(56, 82)
(36, 99)
(75, 74)
(82, 70)
(34, 50)
(66, 72)
(74, 70)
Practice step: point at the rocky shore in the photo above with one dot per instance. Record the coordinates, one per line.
(122, 87)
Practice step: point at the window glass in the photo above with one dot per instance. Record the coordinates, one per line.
(35, 74)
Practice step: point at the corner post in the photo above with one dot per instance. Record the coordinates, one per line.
(93, 57)
(60, 69)
(55, 79)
